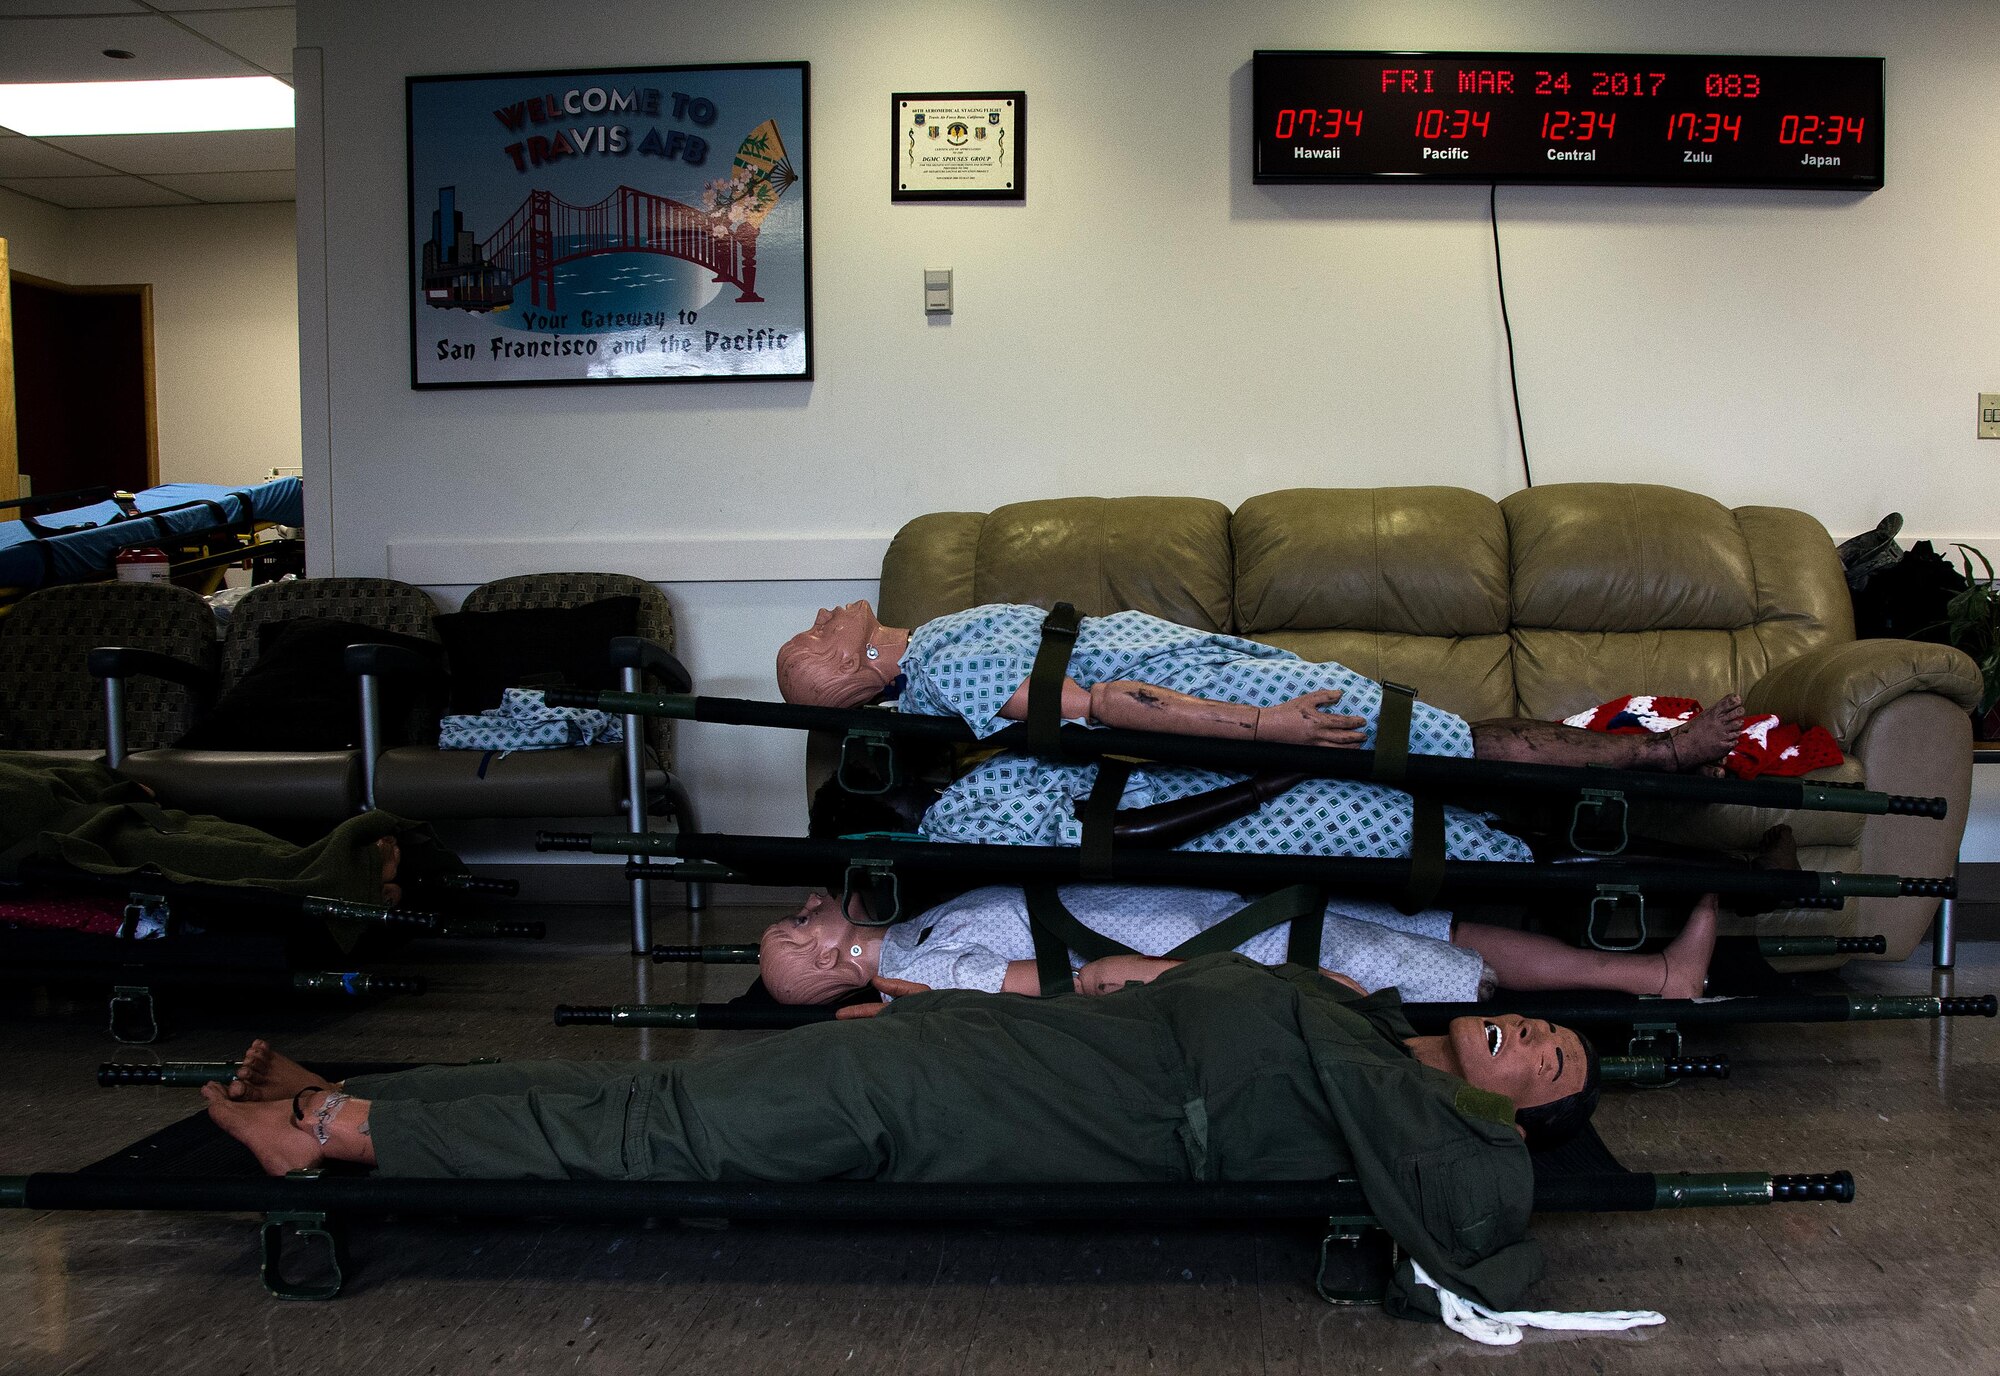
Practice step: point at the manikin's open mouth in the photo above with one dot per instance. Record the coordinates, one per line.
(1495, 1036)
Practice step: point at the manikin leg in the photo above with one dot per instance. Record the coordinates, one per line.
(1528, 961)
(1698, 745)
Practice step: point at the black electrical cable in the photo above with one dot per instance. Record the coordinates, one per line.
(1513, 377)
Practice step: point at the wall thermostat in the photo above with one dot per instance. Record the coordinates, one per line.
(937, 291)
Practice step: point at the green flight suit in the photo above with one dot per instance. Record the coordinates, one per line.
(1218, 1070)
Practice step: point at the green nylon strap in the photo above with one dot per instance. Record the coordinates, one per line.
(1392, 761)
(1045, 680)
(1426, 855)
(1057, 932)
(1099, 816)
(1294, 905)
(1392, 733)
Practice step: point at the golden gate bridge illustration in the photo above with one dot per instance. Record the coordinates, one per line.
(544, 233)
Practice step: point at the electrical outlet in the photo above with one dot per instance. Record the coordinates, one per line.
(1989, 415)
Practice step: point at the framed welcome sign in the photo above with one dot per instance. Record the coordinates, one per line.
(647, 224)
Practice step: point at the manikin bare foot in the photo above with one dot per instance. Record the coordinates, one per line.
(279, 1144)
(264, 1075)
(1687, 955)
(1701, 745)
(392, 858)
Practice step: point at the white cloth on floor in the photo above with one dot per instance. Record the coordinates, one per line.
(1502, 1327)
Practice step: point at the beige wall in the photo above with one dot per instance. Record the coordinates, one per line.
(225, 320)
(1150, 321)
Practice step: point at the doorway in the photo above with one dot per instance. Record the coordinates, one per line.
(83, 385)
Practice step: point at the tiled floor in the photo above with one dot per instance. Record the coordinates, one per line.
(1903, 1280)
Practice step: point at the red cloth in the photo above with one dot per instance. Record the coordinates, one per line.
(1767, 745)
(98, 915)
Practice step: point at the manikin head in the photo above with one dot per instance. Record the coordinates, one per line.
(1550, 1072)
(818, 954)
(846, 658)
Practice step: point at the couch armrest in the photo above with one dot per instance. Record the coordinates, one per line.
(125, 661)
(1841, 687)
(650, 657)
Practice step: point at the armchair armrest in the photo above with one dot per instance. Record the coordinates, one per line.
(378, 660)
(1840, 687)
(649, 657)
(126, 661)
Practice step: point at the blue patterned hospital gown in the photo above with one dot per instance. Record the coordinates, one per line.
(969, 663)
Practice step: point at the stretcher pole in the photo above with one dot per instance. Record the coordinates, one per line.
(1422, 773)
(794, 860)
(861, 1201)
(229, 900)
(1588, 1008)
(1767, 947)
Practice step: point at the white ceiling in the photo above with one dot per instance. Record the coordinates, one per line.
(64, 40)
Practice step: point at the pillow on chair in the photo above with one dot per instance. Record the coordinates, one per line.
(532, 647)
(299, 696)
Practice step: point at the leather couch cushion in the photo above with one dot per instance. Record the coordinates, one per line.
(1402, 583)
(1166, 555)
(1621, 588)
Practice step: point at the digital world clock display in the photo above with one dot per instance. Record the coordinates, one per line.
(1634, 119)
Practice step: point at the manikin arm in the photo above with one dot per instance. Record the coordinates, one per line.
(1134, 706)
(1111, 973)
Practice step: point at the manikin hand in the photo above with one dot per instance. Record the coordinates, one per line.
(1305, 721)
(893, 988)
(1342, 980)
(1109, 974)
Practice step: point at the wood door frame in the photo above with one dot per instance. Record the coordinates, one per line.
(10, 441)
(142, 290)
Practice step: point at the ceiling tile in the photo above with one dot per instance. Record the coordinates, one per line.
(94, 193)
(265, 37)
(234, 186)
(21, 157)
(233, 150)
(72, 50)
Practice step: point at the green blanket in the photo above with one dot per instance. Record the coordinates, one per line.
(84, 815)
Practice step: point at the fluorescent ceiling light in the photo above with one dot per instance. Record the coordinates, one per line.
(67, 108)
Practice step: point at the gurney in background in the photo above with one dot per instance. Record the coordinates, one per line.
(203, 528)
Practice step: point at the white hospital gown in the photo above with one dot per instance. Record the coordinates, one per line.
(968, 942)
(970, 663)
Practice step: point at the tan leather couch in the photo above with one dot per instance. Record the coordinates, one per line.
(1541, 605)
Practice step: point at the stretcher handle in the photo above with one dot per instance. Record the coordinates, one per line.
(181, 1073)
(1836, 1187)
(704, 955)
(355, 983)
(525, 931)
(472, 883)
(1969, 1006)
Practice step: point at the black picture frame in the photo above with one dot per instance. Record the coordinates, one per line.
(640, 224)
(1007, 164)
